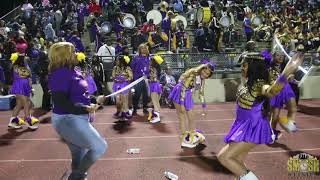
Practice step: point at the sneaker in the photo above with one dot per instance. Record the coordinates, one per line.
(155, 118)
(188, 140)
(130, 111)
(15, 123)
(66, 175)
(249, 176)
(277, 134)
(199, 135)
(116, 115)
(289, 125)
(33, 122)
(73, 176)
(125, 116)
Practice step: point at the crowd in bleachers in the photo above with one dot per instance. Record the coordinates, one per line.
(39, 25)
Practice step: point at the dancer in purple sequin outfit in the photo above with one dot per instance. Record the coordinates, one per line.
(251, 126)
(122, 76)
(181, 96)
(22, 89)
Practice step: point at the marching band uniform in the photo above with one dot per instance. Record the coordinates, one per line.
(180, 40)
(156, 38)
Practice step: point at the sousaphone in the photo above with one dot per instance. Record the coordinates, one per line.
(129, 21)
(106, 27)
(155, 15)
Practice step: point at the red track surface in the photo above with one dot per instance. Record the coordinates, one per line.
(41, 155)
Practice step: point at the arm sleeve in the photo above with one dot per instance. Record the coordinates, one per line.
(61, 100)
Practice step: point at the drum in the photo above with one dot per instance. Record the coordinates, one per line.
(175, 22)
(129, 21)
(155, 15)
(106, 27)
(225, 21)
(203, 14)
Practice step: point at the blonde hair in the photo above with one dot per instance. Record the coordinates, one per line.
(61, 54)
(143, 45)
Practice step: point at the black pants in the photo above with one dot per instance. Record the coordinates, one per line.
(46, 97)
(99, 86)
(140, 88)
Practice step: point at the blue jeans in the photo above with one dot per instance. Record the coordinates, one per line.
(84, 141)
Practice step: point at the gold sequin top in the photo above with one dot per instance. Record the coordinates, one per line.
(153, 75)
(121, 74)
(247, 98)
(274, 73)
(23, 72)
(188, 80)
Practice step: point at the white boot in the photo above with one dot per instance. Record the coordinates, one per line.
(249, 176)
(156, 118)
(289, 126)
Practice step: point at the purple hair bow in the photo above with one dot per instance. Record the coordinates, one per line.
(211, 65)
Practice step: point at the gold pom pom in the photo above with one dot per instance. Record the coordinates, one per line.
(14, 57)
(126, 59)
(158, 59)
(41, 41)
(81, 56)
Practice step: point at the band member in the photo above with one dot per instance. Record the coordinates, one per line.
(166, 23)
(180, 39)
(248, 26)
(158, 39)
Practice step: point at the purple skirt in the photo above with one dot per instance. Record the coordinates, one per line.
(21, 87)
(92, 87)
(283, 97)
(175, 96)
(250, 126)
(119, 85)
(155, 87)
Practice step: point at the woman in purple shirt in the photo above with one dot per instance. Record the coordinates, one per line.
(140, 66)
(71, 109)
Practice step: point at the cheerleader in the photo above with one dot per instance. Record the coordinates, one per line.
(181, 96)
(22, 89)
(155, 88)
(86, 72)
(121, 75)
(285, 97)
(252, 126)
